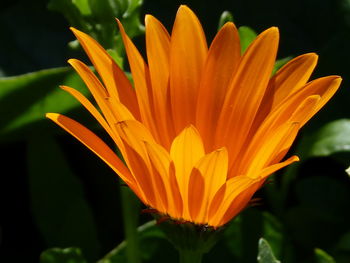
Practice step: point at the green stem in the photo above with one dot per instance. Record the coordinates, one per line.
(130, 208)
(190, 256)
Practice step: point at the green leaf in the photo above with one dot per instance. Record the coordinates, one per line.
(265, 254)
(73, 11)
(97, 18)
(247, 35)
(153, 245)
(25, 99)
(58, 255)
(83, 6)
(225, 17)
(59, 208)
(344, 243)
(243, 233)
(332, 138)
(322, 257)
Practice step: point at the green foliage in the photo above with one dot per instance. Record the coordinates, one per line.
(25, 99)
(246, 35)
(322, 257)
(265, 253)
(225, 17)
(306, 210)
(97, 18)
(57, 199)
(67, 255)
(153, 245)
(332, 138)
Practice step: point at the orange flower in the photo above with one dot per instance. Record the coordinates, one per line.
(202, 128)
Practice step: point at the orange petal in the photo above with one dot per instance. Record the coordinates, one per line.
(246, 92)
(141, 169)
(275, 167)
(90, 107)
(222, 62)
(232, 189)
(135, 134)
(140, 74)
(188, 52)
(240, 201)
(117, 84)
(95, 144)
(160, 161)
(185, 151)
(159, 178)
(158, 47)
(175, 190)
(108, 106)
(196, 190)
(136, 137)
(239, 193)
(260, 154)
(290, 78)
(325, 87)
(213, 167)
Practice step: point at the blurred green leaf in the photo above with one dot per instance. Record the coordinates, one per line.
(153, 245)
(332, 138)
(57, 198)
(248, 227)
(25, 99)
(83, 6)
(344, 243)
(322, 192)
(97, 18)
(73, 11)
(247, 35)
(58, 255)
(273, 232)
(225, 17)
(131, 217)
(265, 253)
(322, 257)
(133, 5)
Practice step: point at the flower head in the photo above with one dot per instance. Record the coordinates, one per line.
(202, 128)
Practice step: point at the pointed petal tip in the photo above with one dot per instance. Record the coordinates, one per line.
(272, 32)
(274, 29)
(76, 32)
(338, 78)
(229, 24)
(71, 61)
(52, 116)
(312, 54)
(184, 9)
(120, 26)
(294, 158)
(148, 18)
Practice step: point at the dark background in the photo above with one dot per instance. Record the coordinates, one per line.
(33, 38)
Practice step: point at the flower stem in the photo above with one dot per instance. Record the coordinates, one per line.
(130, 208)
(190, 256)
